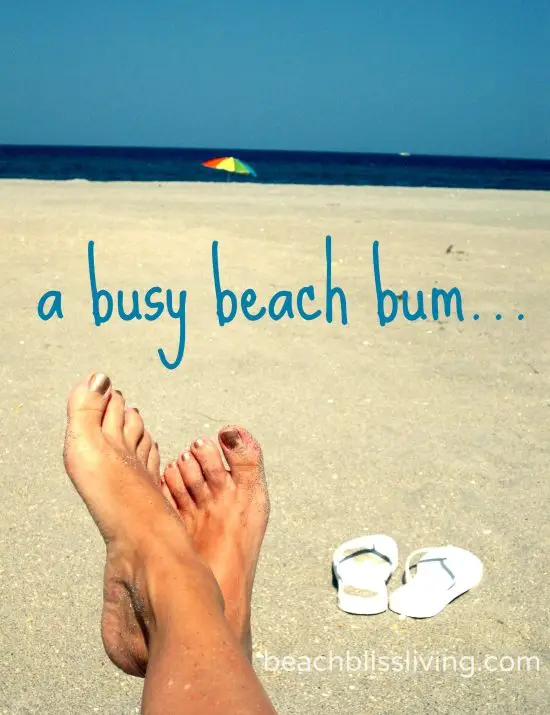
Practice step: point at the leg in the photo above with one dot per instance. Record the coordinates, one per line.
(155, 581)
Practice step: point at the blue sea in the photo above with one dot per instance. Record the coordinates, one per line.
(272, 167)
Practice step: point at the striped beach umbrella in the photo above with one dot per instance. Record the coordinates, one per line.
(230, 164)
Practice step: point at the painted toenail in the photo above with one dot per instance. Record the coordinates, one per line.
(186, 456)
(199, 443)
(99, 383)
(231, 438)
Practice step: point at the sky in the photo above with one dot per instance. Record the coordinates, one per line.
(462, 77)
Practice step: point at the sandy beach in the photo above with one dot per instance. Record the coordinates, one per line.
(434, 432)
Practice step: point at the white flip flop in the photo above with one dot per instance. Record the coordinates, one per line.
(442, 574)
(362, 568)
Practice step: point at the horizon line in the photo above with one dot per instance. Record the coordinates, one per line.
(405, 154)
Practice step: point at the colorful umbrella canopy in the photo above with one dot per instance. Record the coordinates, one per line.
(230, 163)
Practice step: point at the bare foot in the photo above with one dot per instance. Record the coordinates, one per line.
(114, 465)
(225, 513)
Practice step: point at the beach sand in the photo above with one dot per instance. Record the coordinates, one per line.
(433, 432)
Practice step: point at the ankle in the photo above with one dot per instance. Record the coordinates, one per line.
(179, 583)
(239, 619)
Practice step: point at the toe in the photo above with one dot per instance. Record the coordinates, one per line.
(243, 454)
(86, 459)
(113, 420)
(177, 488)
(167, 493)
(144, 448)
(87, 404)
(153, 463)
(133, 428)
(209, 457)
(193, 478)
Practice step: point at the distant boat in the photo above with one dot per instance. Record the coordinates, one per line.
(404, 153)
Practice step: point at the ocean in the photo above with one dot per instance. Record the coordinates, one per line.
(272, 167)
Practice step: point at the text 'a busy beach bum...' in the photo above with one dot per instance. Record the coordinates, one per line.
(327, 302)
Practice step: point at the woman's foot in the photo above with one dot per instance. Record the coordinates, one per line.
(225, 513)
(114, 465)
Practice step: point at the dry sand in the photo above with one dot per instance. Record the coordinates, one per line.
(431, 432)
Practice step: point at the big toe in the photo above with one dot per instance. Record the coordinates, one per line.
(86, 405)
(243, 455)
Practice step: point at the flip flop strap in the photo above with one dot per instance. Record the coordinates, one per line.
(366, 550)
(424, 550)
(367, 576)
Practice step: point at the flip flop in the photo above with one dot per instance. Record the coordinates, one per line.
(362, 568)
(442, 574)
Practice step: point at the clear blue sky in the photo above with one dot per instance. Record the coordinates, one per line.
(426, 76)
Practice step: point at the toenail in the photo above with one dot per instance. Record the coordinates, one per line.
(231, 438)
(186, 456)
(99, 383)
(199, 443)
